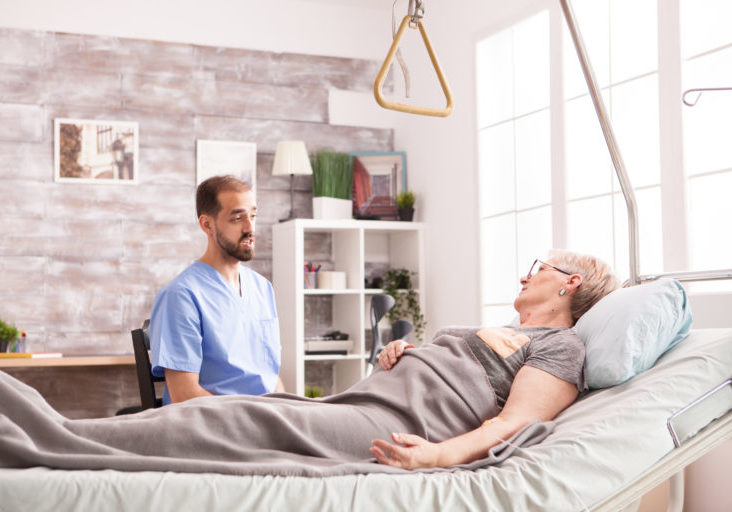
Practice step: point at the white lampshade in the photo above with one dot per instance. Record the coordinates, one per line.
(291, 157)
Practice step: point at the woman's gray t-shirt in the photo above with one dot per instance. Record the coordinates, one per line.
(503, 351)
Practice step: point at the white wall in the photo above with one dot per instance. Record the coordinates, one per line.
(298, 26)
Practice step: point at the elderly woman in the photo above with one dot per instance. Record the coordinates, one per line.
(535, 369)
(479, 385)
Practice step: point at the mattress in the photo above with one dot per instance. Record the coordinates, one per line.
(601, 444)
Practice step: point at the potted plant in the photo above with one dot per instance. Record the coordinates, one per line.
(332, 185)
(8, 333)
(398, 284)
(405, 204)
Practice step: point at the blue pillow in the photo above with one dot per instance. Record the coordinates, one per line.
(628, 330)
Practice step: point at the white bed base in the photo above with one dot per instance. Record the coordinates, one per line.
(671, 466)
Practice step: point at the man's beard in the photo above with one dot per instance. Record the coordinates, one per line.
(236, 250)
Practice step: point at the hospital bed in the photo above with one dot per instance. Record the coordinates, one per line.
(606, 451)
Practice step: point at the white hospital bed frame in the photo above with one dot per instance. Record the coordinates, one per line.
(716, 405)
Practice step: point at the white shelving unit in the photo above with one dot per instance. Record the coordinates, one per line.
(354, 243)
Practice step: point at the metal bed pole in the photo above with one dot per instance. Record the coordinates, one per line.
(612, 144)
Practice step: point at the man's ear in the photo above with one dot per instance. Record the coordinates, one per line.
(206, 224)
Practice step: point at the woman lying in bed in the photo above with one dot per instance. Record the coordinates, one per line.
(479, 385)
(535, 369)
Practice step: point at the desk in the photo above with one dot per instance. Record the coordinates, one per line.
(100, 360)
(80, 386)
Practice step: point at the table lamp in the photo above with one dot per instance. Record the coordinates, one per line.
(291, 158)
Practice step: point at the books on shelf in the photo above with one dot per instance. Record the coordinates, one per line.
(321, 346)
(29, 355)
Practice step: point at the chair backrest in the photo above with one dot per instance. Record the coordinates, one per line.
(380, 306)
(145, 379)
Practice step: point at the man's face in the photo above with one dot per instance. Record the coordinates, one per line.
(234, 225)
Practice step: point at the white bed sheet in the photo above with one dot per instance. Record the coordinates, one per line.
(601, 443)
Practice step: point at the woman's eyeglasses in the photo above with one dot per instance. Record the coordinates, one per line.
(536, 267)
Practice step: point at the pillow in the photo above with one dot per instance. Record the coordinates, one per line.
(628, 330)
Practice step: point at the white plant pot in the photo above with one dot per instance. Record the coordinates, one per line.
(332, 208)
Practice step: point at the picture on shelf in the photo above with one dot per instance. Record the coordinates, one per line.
(217, 157)
(378, 178)
(95, 151)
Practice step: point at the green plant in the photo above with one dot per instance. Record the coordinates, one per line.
(313, 391)
(405, 199)
(332, 175)
(398, 284)
(7, 332)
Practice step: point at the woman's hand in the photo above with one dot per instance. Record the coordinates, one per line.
(411, 452)
(391, 353)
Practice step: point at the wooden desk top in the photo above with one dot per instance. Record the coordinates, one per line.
(72, 360)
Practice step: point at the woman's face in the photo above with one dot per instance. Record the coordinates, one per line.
(540, 288)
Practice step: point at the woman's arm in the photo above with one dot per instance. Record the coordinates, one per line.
(535, 394)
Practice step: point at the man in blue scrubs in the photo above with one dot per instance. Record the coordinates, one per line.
(214, 328)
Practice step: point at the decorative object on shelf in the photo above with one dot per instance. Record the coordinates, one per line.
(332, 185)
(332, 280)
(94, 151)
(219, 157)
(311, 275)
(398, 284)
(375, 283)
(291, 158)
(377, 180)
(405, 202)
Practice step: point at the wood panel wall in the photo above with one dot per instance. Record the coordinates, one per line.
(80, 263)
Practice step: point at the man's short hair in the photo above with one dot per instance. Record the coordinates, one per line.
(207, 193)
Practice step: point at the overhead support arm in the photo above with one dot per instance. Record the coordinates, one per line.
(612, 144)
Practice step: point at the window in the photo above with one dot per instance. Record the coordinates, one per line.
(706, 48)
(525, 87)
(514, 147)
(621, 39)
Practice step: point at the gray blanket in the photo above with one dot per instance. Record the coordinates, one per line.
(437, 392)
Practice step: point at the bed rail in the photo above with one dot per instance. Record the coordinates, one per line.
(688, 421)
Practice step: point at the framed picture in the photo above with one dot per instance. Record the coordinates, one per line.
(95, 151)
(216, 157)
(377, 179)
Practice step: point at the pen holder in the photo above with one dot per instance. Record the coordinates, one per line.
(311, 280)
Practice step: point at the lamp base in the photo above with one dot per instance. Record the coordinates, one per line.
(292, 200)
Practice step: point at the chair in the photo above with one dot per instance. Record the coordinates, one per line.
(145, 378)
(380, 306)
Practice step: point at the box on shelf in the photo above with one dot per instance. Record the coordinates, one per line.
(331, 280)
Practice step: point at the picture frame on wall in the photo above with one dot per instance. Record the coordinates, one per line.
(378, 177)
(217, 157)
(96, 151)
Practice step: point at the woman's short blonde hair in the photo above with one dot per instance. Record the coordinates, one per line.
(597, 279)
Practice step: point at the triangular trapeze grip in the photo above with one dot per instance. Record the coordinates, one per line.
(379, 84)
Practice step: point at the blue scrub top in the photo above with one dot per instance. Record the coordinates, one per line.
(200, 324)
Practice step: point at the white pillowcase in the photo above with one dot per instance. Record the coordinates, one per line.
(628, 330)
